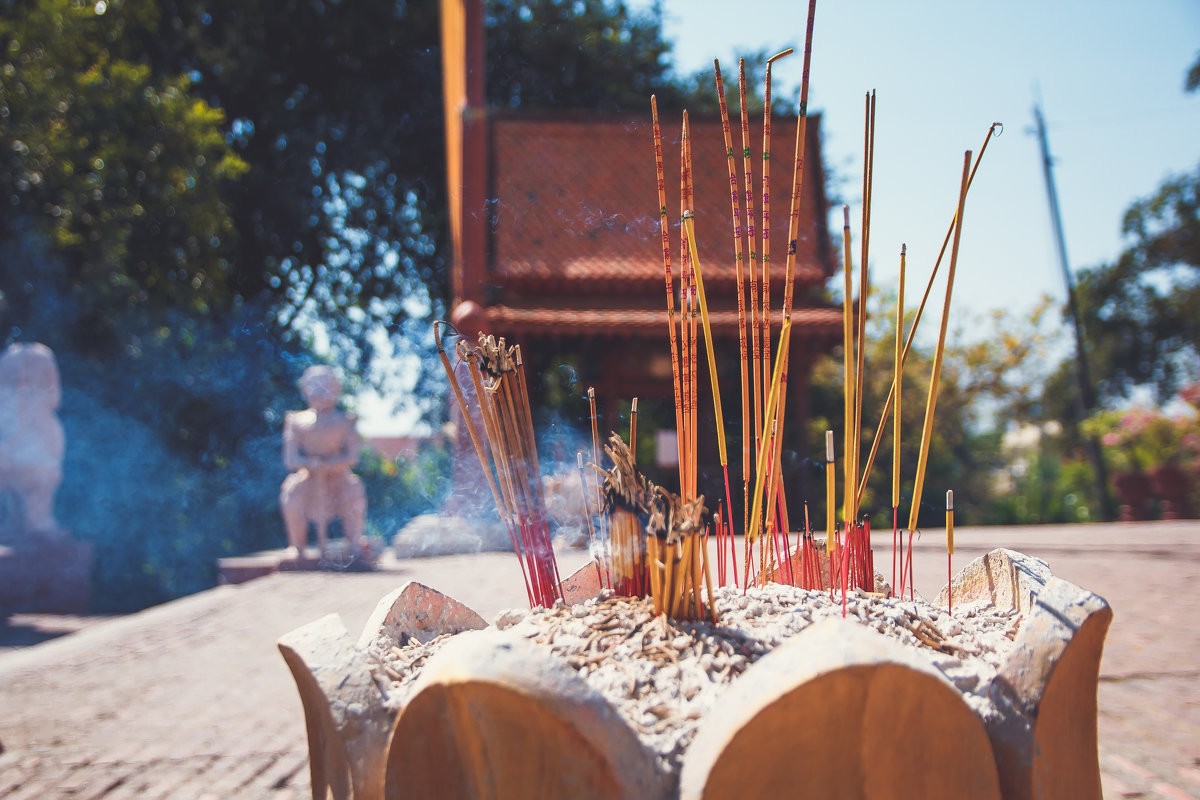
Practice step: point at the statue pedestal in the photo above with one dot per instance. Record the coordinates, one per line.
(43, 575)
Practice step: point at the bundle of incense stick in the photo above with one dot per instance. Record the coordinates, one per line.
(763, 387)
(627, 495)
(679, 556)
(497, 375)
(657, 544)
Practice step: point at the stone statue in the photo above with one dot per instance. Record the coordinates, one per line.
(31, 437)
(320, 445)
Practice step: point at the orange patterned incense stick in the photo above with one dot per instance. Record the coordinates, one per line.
(738, 258)
(798, 167)
(670, 280)
(765, 255)
(752, 264)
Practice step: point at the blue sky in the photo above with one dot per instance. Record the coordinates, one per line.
(1110, 78)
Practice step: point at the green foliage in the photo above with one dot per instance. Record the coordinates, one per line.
(401, 488)
(190, 187)
(979, 390)
(592, 54)
(1044, 483)
(122, 170)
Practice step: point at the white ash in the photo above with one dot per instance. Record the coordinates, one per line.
(665, 675)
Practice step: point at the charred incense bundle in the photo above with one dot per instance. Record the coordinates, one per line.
(627, 496)
(679, 558)
(502, 401)
(657, 544)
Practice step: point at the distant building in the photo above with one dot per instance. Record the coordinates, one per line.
(557, 246)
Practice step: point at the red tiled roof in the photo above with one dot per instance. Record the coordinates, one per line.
(576, 202)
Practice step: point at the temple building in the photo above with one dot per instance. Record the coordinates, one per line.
(554, 218)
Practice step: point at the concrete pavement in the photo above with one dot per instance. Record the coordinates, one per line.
(192, 700)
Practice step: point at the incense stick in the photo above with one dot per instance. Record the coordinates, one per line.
(864, 283)
(752, 265)
(670, 280)
(830, 478)
(912, 332)
(689, 227)
(949, 551)
(633, 430)
(772, 397)
(685, 330)
(939, 353)
(504, 405)
(738, 258)
(798, 167)
(848, 510)
(897, 420)
(765, 255)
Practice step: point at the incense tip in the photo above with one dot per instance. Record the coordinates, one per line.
(591, 393)
(903, 249)
(949, 499)
(579, 458)
(829, 446)
(780, 55)
(634, 408)
(846, 216)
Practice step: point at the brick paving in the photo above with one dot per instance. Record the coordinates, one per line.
(192, 700)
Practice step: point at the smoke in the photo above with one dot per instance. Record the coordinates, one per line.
(172, 427)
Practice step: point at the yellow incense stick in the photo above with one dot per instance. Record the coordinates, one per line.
(931, 401)
(848, 368)
(864, 283)
(830, 478)
(689, 225)
(950, 521)
(785, 339)
(898, 384)
(912, 332)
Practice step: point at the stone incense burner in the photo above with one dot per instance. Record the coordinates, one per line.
(836, 710)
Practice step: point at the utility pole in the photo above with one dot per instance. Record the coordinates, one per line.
(1084, 401)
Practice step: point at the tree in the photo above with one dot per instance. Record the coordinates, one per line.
(196, 187)
(122, 171)
(1142, 313)
(986, 386)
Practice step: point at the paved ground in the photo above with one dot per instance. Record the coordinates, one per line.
(192, 700)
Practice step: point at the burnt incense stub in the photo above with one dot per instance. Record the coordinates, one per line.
(624, 488)
(991, 701)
